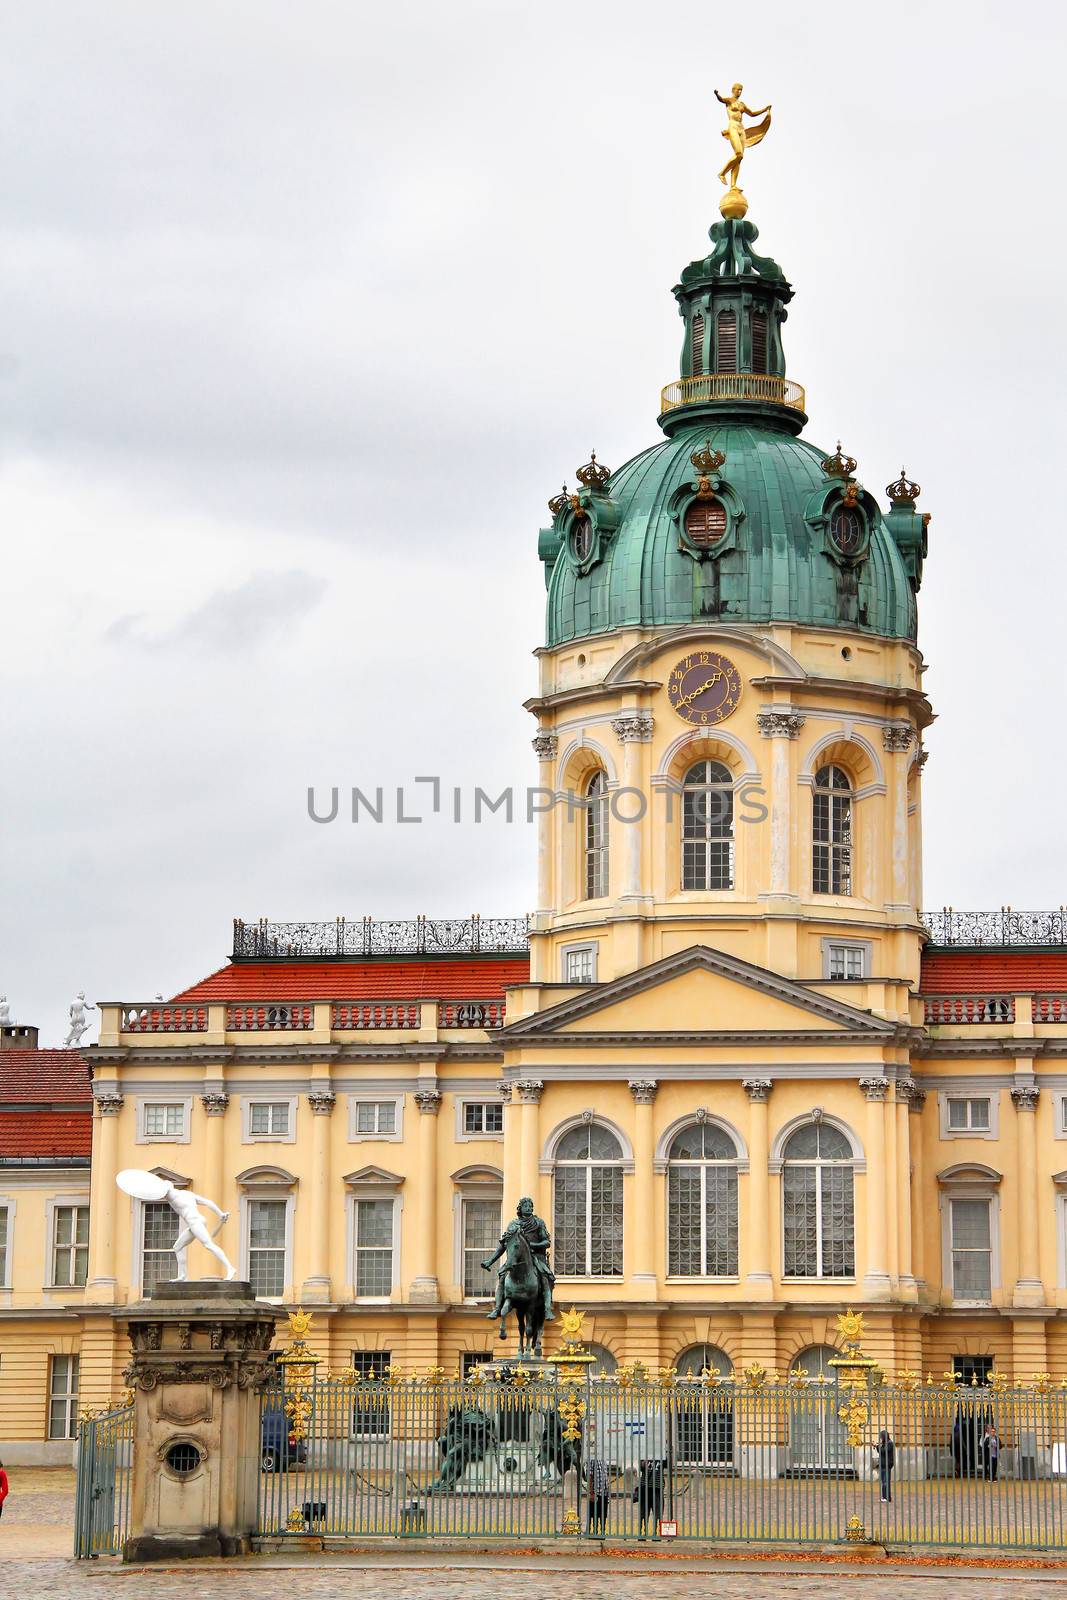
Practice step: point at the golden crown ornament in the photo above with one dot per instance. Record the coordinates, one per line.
(559, 502)
(594, 475)
(903, 491)
(839, 466)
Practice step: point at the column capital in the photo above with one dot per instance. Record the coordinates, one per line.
(643, 1090)
(780, 724)
(633, 727)
(214, 1102)
(545, 746)
(757, 1089)
(321, 1101)
(109, 1102)
(875, 1088)
(530, 1091)
(1024, 1098)
(504, 1091)
(428, 1101)
(897, 736)
(908, 1089)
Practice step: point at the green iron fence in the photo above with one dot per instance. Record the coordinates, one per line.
(631, 1458)
(102, 1494)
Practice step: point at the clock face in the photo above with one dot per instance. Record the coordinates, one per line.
(704, 688)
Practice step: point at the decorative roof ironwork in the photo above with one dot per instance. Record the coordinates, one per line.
(992, 928)
(366, 937)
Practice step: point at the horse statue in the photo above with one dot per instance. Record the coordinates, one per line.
(523, 1292)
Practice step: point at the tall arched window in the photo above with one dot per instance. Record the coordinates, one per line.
(708, 827)
(727, 332)
(818, 1439)
(698, 345)
(831, 832)
(702, 1203)
(588, 1203)
(818, 1210)
(596, 836)
(705, 1435)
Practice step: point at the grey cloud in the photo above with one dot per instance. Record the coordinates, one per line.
(230, 620)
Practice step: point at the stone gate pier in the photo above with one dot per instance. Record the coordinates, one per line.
(200, 1359)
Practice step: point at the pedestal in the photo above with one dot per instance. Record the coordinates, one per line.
(200, 1359)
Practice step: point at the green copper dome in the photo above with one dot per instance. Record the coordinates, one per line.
(732, 517)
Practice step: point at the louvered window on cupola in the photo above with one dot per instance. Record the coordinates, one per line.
(705, 523)
(698, 345)
(759, 341)
(727, 331)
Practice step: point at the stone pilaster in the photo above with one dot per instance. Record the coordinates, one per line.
(876, 1284)
(101, 1285)
(643, 1271)
(758, 1279)
(1029, 1290)
(424, 1287)
(317, 1287)
(781, 727)
(530, 1092)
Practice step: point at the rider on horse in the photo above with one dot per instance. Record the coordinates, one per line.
(538, 1238)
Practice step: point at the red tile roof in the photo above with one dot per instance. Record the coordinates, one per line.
(476, 978)
(44, 1075)
(1004, 971)
(46, 1133)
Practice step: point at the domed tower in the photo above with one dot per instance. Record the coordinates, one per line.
(730, 703)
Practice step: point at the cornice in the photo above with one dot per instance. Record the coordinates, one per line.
(588, 691)
(704, 1038)
(883, 693)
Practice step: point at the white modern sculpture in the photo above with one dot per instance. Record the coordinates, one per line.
(149, 1186)
(79, 1022)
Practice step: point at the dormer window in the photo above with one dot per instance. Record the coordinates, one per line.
(582, 539)
(727, 331)
(705, 523)
(846, 530)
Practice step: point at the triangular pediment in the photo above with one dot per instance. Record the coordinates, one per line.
(373, 1175)
(700, 991)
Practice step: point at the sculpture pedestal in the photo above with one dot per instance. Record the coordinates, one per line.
(200, 1359)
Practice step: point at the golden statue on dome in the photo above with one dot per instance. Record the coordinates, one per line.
(733, 204)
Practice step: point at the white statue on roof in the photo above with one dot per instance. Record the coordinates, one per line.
(79, 1022)
(5, 1011)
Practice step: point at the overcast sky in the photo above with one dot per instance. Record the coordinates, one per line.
(304, 312)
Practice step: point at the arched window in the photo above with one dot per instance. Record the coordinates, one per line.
(604, 1364)
(818, 1439)
(846, 530)
(705, 1435)
(698, 345)
(596, 836)
(759, 341)
(702, 1203)
(588, 1203)
(818, 1211)
(831, 832)
(708, 827)
(705, 523)
(727, 331)
(582, 539)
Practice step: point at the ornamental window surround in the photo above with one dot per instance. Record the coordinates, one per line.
(702, 1211)
(843, 960)
(7, 1213)
(596, 851)
(69, 1262)
(708, 827)
(588, 1203)
(162, 1121)
(63, 1397)
(831, 842)
(267, 1207)
(268, 1118)
(578, 962)
(706, 522)
(970, 1232)
(818, 1203)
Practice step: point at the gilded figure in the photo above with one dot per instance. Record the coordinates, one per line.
(739, 136)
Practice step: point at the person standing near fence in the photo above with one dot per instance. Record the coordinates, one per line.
(597, 1488)
(990, 1453)
(885, 1454)
(648, 1493)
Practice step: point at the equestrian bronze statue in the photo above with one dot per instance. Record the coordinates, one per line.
(524, 1281)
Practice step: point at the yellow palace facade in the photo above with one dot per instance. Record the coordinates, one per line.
(746, 1083)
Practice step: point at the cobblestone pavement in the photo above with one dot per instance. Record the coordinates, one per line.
(325, 1580)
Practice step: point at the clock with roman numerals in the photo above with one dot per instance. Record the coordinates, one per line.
(704, 688)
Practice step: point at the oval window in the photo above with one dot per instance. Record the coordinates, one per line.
(183, 1459)
(582, 538)
(846, 530)
(705, 523)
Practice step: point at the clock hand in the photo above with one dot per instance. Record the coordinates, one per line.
(688, 699)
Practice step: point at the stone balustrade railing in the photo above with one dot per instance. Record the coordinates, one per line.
(941, 1008)
(159, 1018)
(266, 1017)
(470, 1013)
(361, 1014)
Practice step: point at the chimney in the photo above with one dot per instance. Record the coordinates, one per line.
(18, 1036)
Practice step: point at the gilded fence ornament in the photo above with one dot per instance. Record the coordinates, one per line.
(711, 1376)
(909, 1380)
(1041, 1382)
(733, 204)
(755, 1375)
(999, 1382)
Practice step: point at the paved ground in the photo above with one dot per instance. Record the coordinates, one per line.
(36, 1533)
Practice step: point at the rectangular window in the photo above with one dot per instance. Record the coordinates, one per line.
(473, 1358)
(269, 1120)
(481, 1234)
(702, 1221)
(164, 1121)
(698, 345)
(160, 1229)
(370, 1408)
(847, 961)
(483, 1117)
(374, 1248)
(376, 1116)
(818, 1221)
(759, 341)
(588, 1212)
(973, 1369)
(3, 1245)
(70, 1246)
(727, 330)
(972, 1251)
(266, 1247)
(63, 1398)
(578, 965)
(966, 1114)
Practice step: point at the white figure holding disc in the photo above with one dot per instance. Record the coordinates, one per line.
(148, 1186)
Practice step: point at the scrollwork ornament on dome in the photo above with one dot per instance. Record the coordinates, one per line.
(903, 491)
(707, 463)
(594, 475)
